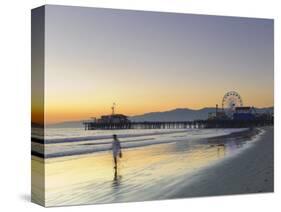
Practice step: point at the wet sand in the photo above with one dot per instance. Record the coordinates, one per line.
(226, 165)
(249, 172)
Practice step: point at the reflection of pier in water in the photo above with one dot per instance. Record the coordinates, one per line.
(200, 124)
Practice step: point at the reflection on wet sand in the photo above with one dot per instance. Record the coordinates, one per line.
(143, 174)
(116, 179)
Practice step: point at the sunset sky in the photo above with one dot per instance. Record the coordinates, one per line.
(148, 61)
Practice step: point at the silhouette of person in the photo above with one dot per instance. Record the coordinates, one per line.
(116, 150)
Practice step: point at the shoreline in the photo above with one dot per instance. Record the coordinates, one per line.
(241, 132)
(249, 172)
(202, 170)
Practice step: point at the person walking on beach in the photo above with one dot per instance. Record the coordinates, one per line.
(116, 150)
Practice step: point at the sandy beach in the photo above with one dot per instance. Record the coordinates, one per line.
(249, 172)
(235, 164)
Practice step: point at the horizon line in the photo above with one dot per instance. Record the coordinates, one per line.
(76, 120)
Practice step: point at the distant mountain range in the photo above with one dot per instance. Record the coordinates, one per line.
(184, 114)
(179, 114)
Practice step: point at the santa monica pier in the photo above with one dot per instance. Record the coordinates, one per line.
(231, 114)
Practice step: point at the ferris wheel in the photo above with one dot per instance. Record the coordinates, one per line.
(230, 101)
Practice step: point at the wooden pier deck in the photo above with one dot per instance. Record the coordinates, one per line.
(92, 125)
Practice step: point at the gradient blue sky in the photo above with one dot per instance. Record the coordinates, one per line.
(152, 61)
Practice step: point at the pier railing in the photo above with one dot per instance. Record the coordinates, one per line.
(93, 125)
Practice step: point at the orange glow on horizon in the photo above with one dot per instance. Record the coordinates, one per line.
(169, 66)
(62, 113)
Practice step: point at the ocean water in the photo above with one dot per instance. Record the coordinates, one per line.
(79, 164)
(75, 141)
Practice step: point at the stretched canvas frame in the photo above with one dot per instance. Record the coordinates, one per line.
(138, 105)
